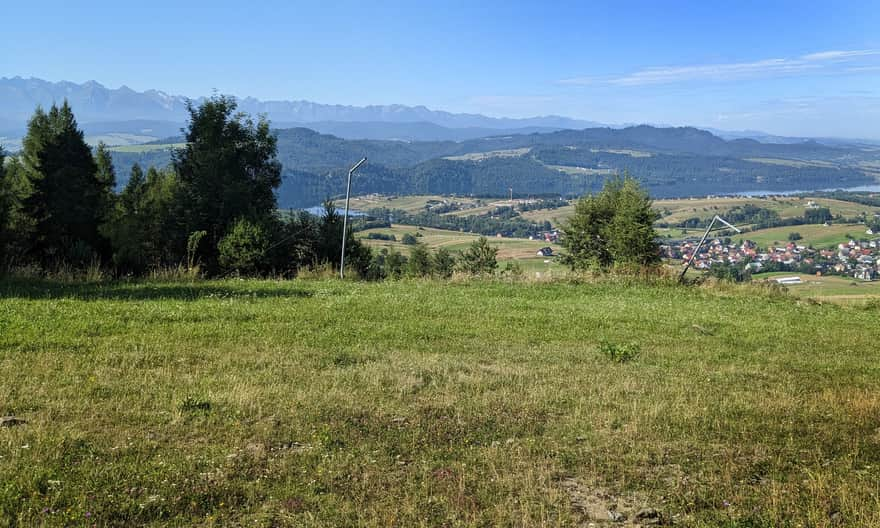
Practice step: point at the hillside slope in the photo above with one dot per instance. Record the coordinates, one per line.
(426, 403)
(671, 162)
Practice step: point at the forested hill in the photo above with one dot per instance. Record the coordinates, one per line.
(669, 161)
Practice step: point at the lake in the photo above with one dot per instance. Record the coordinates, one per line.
(860, 188)
(318, 210)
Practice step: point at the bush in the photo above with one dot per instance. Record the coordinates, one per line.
(244, 248)
(443, 263)
(382, 236)
(409, 240)
(419, 262)
(479, 258)
(513, 270)
(619, 352)
(613, 227)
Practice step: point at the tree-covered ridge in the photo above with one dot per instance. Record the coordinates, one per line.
(669, 162)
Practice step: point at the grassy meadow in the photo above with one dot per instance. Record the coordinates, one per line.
(147, 147)
(817, 235)
(424, 403)
(678, 210)
(831, 288)
(411, 204)
(519, 250)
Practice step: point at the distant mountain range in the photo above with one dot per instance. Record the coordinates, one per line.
(124, 116)
(102, 110)
(414, 150)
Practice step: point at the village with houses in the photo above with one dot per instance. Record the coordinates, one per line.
(859, 259)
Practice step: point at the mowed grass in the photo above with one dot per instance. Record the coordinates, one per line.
(817, 235)
(829, 287)
(521, 250)
(327, 403)
(556, 216)
(679, 210)
(411, 204)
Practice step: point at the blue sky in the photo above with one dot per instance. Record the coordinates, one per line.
(794, 68)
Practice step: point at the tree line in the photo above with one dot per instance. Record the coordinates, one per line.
(504, 220)
(212, 211)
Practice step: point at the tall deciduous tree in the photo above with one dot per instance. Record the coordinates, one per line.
(228, 171)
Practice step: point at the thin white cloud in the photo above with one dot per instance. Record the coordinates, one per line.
(824, 62)
(839, 55)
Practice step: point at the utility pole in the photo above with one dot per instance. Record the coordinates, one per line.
(345, 218)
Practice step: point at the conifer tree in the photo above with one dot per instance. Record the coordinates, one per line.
(479, 258)
(615, 226)
(443, 263)
(66, 201)
(106, 177)
(4, 193)
(5, 206)
(419, 263)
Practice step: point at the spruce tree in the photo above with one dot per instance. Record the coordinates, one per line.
(443, 263)
(14, 228)
(5, 208)
(480, 258)
(66, 201)
(419, 263)
(5, 194)
(106, 177)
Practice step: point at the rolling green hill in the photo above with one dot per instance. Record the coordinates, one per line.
(670, 162)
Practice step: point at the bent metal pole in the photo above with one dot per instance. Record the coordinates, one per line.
(345, 218)
(709, 229)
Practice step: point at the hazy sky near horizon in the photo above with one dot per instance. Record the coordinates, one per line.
(799, 68)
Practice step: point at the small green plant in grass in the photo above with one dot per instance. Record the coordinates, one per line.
(619, 352)
(191, 404)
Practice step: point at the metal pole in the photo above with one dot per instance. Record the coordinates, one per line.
(702, 241)
(696, 250)
(345, 218)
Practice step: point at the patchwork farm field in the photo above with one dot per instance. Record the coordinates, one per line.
(426, 403)
(679, 210)
(411, 204)
(829, 288)
(817, 235)
(521, 250)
